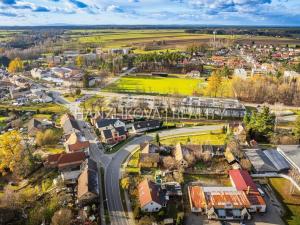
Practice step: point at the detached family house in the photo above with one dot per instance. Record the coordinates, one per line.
(35, 125)
(69, 124)
(151, 197)
(88, 182)
(68, 165)
(149, 158)
(179, 156)
(77, 142)
(111, 131)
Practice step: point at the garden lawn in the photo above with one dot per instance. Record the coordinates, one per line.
(2, 121)
(291, 202)
(208, 180)
(157, 85)
(53, 150)
(42, 116)
(205, 138)
(72, 98)
(43, 108)
(133, 163)
(134, 160)
(3, 118)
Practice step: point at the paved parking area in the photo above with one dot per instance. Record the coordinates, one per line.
(193, 219)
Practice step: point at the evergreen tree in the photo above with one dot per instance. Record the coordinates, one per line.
(157, 138)
(260, 125)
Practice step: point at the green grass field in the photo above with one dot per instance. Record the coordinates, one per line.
(42, 116)
(204, 138)
(291, 202)
(7, 35)
(208, 179)
(53, 150)
(174, 39)
(2, 121)
(138, 38)
(43, 108)
(3, 118)
(134, 160)
(157, 85)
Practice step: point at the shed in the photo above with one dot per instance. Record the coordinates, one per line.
(277, 159)
(260, 162)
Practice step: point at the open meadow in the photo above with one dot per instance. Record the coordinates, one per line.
(157, 85)
(42, 108)
(6, 35)
(161, 39)
(197, 139)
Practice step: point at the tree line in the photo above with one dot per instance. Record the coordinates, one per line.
(267, 89)
(165, 62)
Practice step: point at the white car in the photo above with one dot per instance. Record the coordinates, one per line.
(261, 192)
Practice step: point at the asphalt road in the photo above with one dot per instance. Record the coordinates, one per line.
(113, 170)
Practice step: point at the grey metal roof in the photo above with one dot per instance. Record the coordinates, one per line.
(34, 123)
(277, 159)
(121, 130)
(150, 124)
(91, 164)
(106, 122)
(260, 162)
(107, 134)
(291, 153)
(93, 184)
(70, 125)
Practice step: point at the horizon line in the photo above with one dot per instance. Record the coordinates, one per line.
(149, 25)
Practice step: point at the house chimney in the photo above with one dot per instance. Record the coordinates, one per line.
(248, 190)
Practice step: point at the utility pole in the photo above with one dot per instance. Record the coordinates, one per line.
(214, 32)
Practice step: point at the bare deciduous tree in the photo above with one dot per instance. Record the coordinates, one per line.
(169, 162)
(62, 217)
(246, 164)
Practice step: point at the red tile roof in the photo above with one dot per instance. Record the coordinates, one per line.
(53, 158)
(78, 146)
(197, 197)
(66, 159)
(256, 199)
(220, 199)
(217, 197)
(242, 180)
(148, 192)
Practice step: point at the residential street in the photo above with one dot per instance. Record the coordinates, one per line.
(113, 172)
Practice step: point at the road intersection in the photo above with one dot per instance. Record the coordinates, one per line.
(113, 163)
(113, 169)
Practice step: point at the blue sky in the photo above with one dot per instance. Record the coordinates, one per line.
(94, 12)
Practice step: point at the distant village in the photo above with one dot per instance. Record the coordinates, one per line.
(244, 60)
(78, 146)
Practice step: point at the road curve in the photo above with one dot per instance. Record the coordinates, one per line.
(113, 173)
